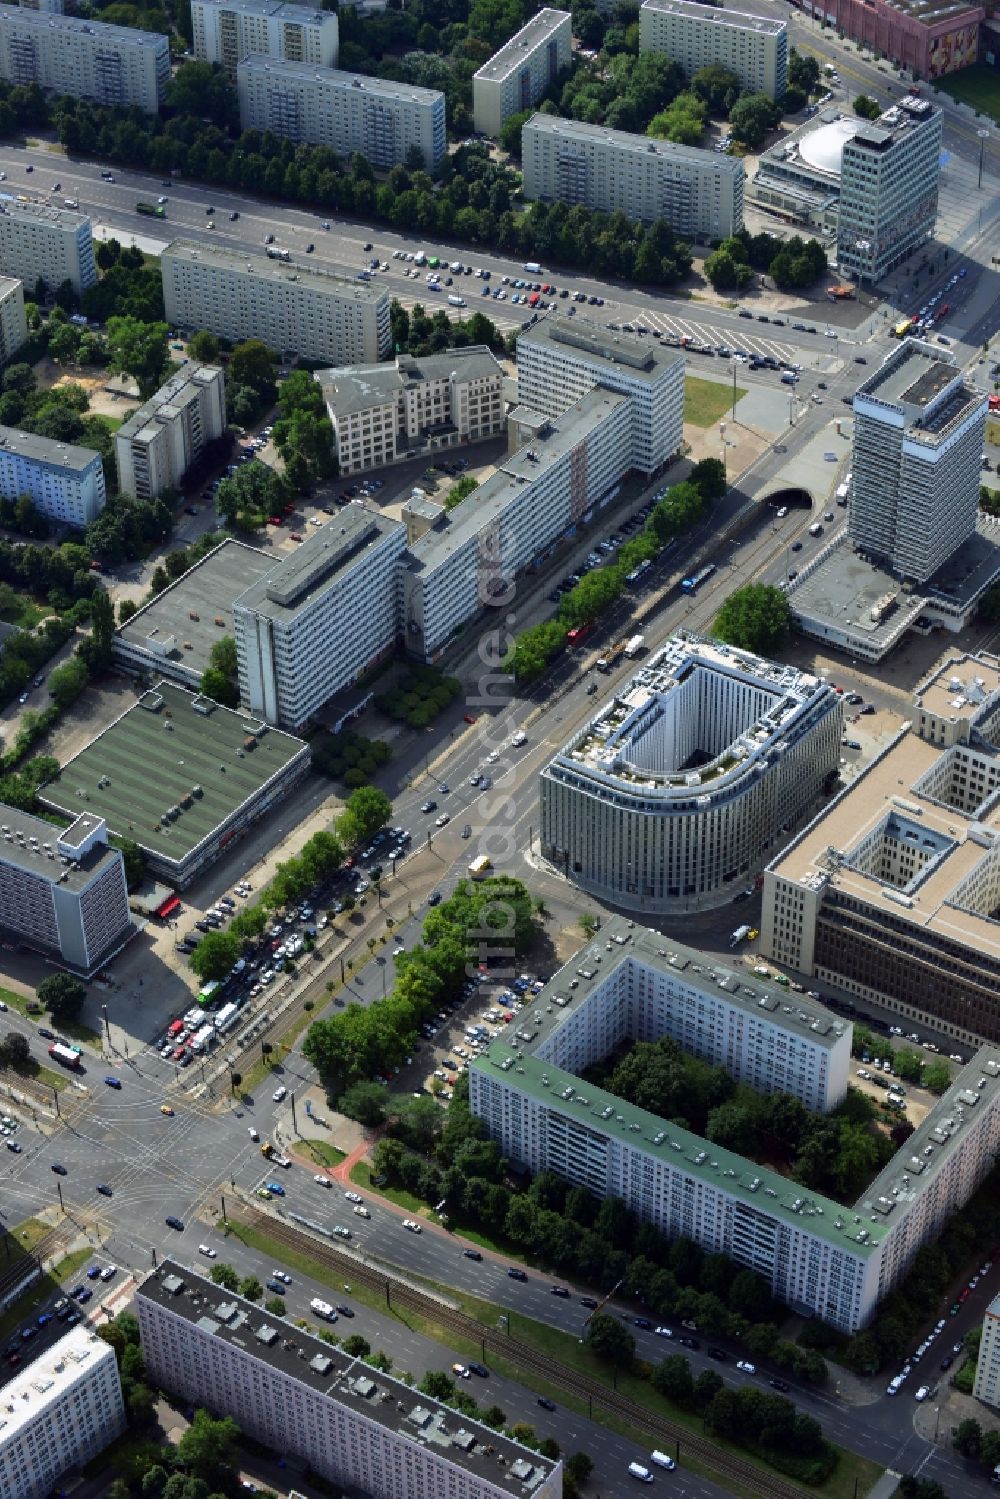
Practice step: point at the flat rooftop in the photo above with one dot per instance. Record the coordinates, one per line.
(559, 436)
(305, 14)
(359, 387)
(622, 940)
(349, 1382)
(531, 35)
(47, 1377)
(297, 276)
(625, 743)
(41, 213)
(890, 785)
(172, 752)
(961, 689)
(293, 583)
(49, 852)
(860, 1229)
(913, 376)
(309, 73)
(740, 19)
(626, 140)
(121, 36)
(844, 589)
(902, 117)
(177, 390)
(65, 456)
(641, 359)
(197, 610)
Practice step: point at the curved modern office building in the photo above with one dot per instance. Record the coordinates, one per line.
(675, 793)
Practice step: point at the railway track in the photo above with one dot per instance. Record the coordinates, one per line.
(405, 1297)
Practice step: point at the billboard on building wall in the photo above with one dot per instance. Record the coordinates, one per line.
(953, 50)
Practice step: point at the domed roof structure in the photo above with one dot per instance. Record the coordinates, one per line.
(823, 148)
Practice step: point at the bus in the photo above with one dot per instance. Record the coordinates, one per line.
(691, 585)
(942, 312)
(226, 1018)
(205, 995)
(274, 252)
(153, 210)
(578, 633)
(66, 1056)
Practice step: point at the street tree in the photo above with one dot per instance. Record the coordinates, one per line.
(208, 1448)
(610, 1339)
(215, 955)
(222, 1274)
(754, 618)
(366, 810)
(62, 994)
(203, 347)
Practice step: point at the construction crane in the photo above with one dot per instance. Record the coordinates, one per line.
(603, 1303)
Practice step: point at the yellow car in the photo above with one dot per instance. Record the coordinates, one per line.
(753, 934)
(166, 1109)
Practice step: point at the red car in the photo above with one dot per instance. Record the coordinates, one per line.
(176, 1054)
(295, 535)
(469, 717)
(963, 1296)
(287, 509)
(274, 520)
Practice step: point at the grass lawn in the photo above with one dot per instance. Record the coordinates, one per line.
(77, 1031)
(27, 615)
(976, 86)
(853, 1474)
(323, 1153)
(705, 401)
(111, 422)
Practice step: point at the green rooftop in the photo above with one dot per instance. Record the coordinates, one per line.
(611, 1116)
(172, 769)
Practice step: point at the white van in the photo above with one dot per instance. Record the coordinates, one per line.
(638, 1471)
(323, 1309)
(456, 301)
(662, 1460)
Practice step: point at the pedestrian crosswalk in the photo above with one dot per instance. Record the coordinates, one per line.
(748, 339)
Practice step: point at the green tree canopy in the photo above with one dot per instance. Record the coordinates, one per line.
(366, 810)
(754, 618)
(751, 117)
(62, 994)
(139, 349)
(204, 347)
(215, 955)
(867, 107)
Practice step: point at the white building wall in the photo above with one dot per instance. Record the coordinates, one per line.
(54, 244)
(516, 77)
(61, 486)
(13, 323)
(237, 297)
(698, 193)
(551, 376)
(987, 1385)
(226, 33)
(166, 435)
(450, 582)
(753, 47)
(61, 1410)
(113, 65)
(289, 670)
(348, 112)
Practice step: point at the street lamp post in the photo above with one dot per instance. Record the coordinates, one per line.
(984, 136)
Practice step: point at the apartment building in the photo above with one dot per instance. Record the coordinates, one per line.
(987, 1385)
(516, 77)
(362, 1430)
(471, 557)
(58, 1412)
(384, 121)
(62, 891)
(698, 193)
(114, 65)
(560, 358)
(821, 1257)
(13, 323)
(670, 797)
(227, 31)
(891, 893)
(300, 634)
(53, 7)
(889, 188)
(384, 413)
(39, 242)
(65, 482)
(918, 435)
(159, 443)
(292, 308)
(755, 48)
